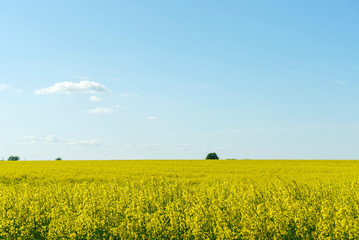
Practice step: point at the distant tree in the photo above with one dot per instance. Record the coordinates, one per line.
(58, 159)
(13, 158)
(212, 156)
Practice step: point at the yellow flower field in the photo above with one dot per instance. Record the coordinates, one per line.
(243, 199)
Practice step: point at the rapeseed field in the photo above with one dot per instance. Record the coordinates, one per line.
(243, 199)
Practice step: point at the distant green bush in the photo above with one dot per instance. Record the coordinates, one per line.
(212, 156)
(13, 158)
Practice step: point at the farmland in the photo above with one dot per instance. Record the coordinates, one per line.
(243, 199)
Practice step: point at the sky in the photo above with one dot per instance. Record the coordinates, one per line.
(179, 79)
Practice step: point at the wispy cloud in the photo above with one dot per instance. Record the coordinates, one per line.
(95, 99)
(52, 139)
(341, 82)
(8, 87)
(81, 77)
(223, 148)
(129, 94)
(152, 118)
(121, 107)
(3, 86)
(155, 145)
(100, 110)
(83, 87)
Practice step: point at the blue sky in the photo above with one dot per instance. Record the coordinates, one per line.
(179, 79)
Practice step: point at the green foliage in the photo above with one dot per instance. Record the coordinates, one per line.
(179, 200)
(212, 156)
(58, 159)
(13, 158)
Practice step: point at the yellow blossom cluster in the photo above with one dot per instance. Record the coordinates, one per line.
(240, 199)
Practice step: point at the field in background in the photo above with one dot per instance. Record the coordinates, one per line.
(179, 200)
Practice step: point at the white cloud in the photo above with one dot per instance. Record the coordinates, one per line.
(152, 118)
(51, 139)
(3, 86)
(100, 110)
(83, 87)
(95, 99)
(129, 94)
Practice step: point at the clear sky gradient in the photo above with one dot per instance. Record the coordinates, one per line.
(179, 79)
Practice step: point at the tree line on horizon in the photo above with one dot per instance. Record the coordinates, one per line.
(210, 156)
(17, 158)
